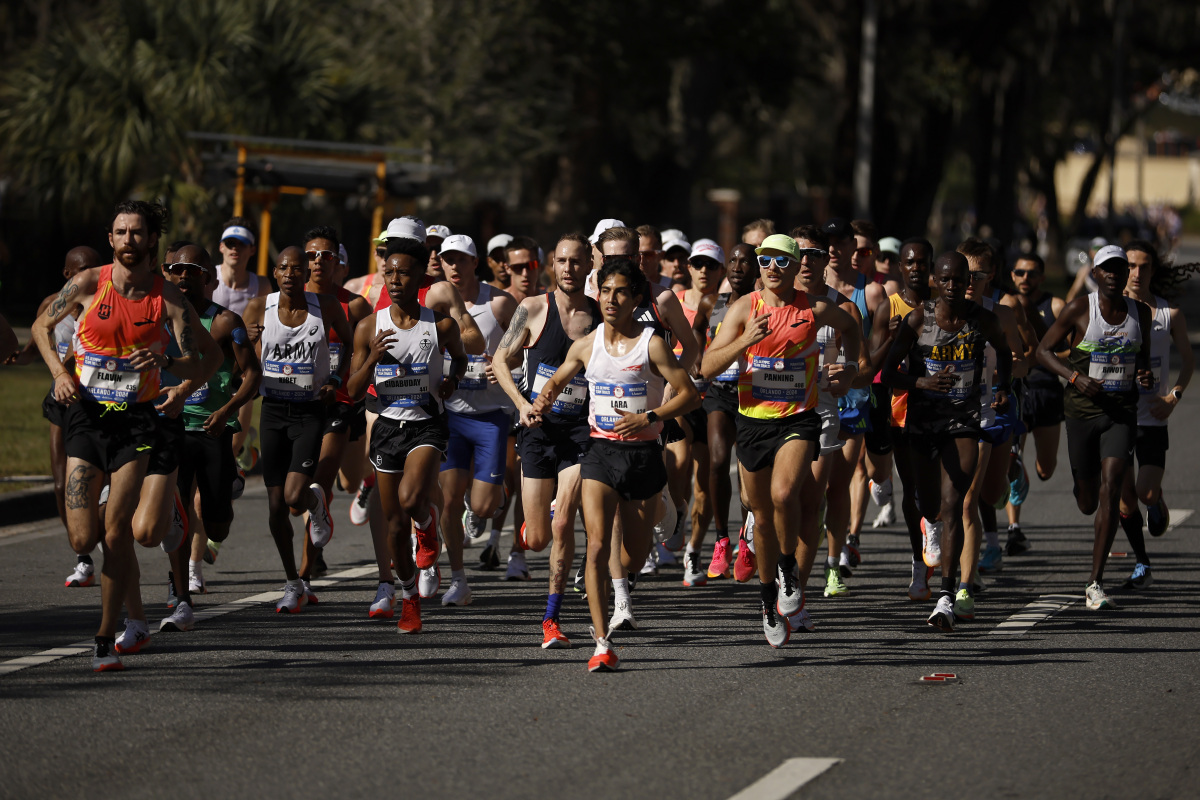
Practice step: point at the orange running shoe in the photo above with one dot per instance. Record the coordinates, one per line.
(410, 615)
(552, 635)
(605, 658)
(719, 566)
(746, 565)
(427, 540)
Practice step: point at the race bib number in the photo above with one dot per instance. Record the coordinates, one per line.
(963, 373)
(109, 379)
(335, 357)
(287, 380)
(610, 398)
(197, 397)
(475, 378)
(402, 385)
(1113, 370)
(570, 400)
(778, 380)
(731, 373)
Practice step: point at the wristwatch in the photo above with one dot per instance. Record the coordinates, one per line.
(651, 417)
(1177, 394)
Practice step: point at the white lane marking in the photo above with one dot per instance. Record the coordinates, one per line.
(1043, 608)
(785, 779)
(1178, 515)
(84, 647)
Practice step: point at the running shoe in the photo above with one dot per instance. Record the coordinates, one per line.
(459, 593)
(172, 598)
(665, 557)
(135, 636)
(320, 523)
(932, 552)
(1158, 517)
(964, 605)
(651, 565)
(84, 574)
(489, 559)
(248, 458)
(427, 540)
(834, 586)
(692, 576)
(881, 493)
(239, 484)
(918, 590)
(719, 566)
(992, 559)
(360, 506)
(791, 594)
(1018, 487)
(844, 568)
(309, 596)
(978, 587)
(294, 598)
(1141, 577)
(1097, 600)
(104, 659)
(886, 515)
(775, 627)
(211, 551)
(943, 614)
(429, 581)
(320, 569)
(1017, 543)
(850, 551)
(474, 525)
(517, 570)
(385, 602)
(196, 584)
(410, 615)
(746, 565)
(622, 617)
(801, 622)
(748, 528)
(605, 658)
(552, 636)
(580, 582)
(181, 619)
(177, 533)
(669, 531)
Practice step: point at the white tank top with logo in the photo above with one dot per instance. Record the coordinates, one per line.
(475, 395)
(1160, 360)
(295, 361)
(236, 299)
(409, 373)
(1112, 349)
(622, 384)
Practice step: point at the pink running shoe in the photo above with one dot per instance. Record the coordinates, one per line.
(719, 566)
(746, 565)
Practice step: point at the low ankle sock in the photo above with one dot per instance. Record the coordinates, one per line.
(830, 562)
(494, 537)
(408, 588)
(963, 586)
(620, 589)
(457, 574)
(553, 604)
(689, 548)
(85, 559)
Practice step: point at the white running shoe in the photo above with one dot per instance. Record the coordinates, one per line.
(802, 621)
(665, 557)
(83, 575)
(239, 484)
(196, 584)
(320, 524)
(105, 659)
(360, 506)
(103, 495)
(932, 551)
(474, 526)
(1097, 600)
(429, 582)
(135, 636)
(181, 619)
(385, 602)
(459, 593)
(693, 573)
(749, 529)
(309, 596)
(294, 598)
(881, 493)
(517, 569)
(918, 590)
(178, 531)
(943, 614)
(791, 595)
(886, 515)
(775, 627)
(651, 565)
(665, 532)
(622, 617)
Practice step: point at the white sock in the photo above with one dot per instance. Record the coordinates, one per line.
(494, 537)
(408, 588)
(457, 574)
(620, 589)
(830, 562)
(992, 537)
(689, 548)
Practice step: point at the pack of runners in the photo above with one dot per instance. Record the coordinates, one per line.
(614, 384)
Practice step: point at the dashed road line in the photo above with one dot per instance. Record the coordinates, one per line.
(786, 779)
(1041, 609)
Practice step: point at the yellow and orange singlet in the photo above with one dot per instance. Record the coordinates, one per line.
(779, 374)
(899, 308)
(109, 331)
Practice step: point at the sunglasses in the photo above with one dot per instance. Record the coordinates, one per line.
(1021, 273)
(185, 269)
(613, 256)
(381, 252)
(813, 252)
(865, 252)
(232, 243)
(320, 255)
(979, 276)
(705, 263)
(524, 266)
(778, 262)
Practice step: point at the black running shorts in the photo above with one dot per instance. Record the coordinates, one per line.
(1151, 446)
(53, 410)
(342, 417)
(209, 462)
(1090, 441)
(106, 437)
(879, 433)
(1042, 404)
(392, 440)
(168, 446)
(291, 436)
(759, 440)
(635, 470)
(721, 396)
(552, 447)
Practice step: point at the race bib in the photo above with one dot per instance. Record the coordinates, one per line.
(475, 378)
(609, 398)
(778, 380)
(288, 380)
(197, 397)
(335, 357)
(1113, 370)
(731, 373)
(62, 348)
(570, 400)
(700, 384)
(402, 385)
(109, 379)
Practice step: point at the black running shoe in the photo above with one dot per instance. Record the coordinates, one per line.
(580, 583)
(1017, 543)
(490, 557)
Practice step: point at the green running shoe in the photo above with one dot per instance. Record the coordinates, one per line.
(964, 605)
(834, 585)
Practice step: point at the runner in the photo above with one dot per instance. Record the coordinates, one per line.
(721, 408)
(1107, 364)
(626, 367)
(495, 260)
(673, 259)
(1152, 282)
(434, 236)
(291, 329)
(523, 268)
(944, 341)
(649, 257)
(772, 335)
(397, 350)
(887, 264)
(479, 417)
(110, 424)
(754, 233)
(551, 443)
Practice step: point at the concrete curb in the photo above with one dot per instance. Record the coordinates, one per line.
(28, 505)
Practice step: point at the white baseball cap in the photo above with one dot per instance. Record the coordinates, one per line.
(1108, 253)
(889, 244)
(676, 241)
(708, 249)
(440, 231)
(602, 226)
(500, 240)
(458, 243)
(405, 228)
(239, 233)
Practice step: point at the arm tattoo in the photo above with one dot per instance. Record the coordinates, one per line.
(187, 343)
(77, 487)
(515, 328)
(62, 301)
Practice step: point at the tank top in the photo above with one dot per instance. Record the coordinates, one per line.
(1045, 310)
(779, 374)
(235, 299)
(859, 298)
(409, 373)
(384, 302)
(622, 383)
(544, 356)
(475, 395)
(689, 314)
(109, 331)
(214, 394)
(336, 347)
(1160, 360)
(830, 353)
(899, 307)
(295, 361)
(728, 378)
(64, 336)
(956, 411)
(1108, 354)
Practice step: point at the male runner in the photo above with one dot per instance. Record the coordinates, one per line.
(754, 232)
(626, 367)
(291, 329)
(1109, 360)
(772, 334)
(434, 236)
(495, 261)
(110, 424)
(944, 341)
(650, 252)
(521, 264)
(673, 259)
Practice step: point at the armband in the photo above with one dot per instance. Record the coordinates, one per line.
(240, 336)
(335, 380)
(1071, 379)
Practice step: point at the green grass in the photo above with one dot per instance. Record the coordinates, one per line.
(24, 433)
